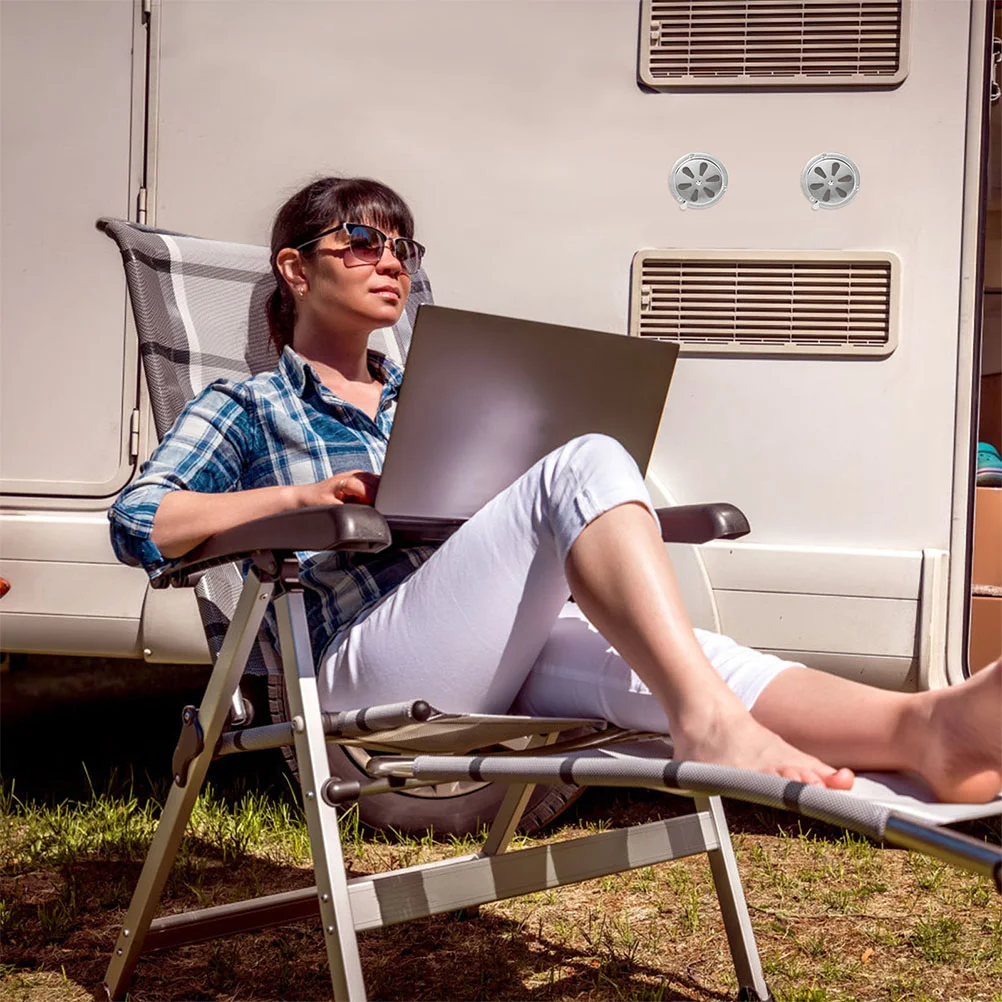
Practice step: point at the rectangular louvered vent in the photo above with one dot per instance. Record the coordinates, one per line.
(805, 303)
(780, 43)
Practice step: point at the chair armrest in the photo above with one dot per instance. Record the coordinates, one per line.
(411, 530)
(353, 527)
(359, 528)
(699, 523)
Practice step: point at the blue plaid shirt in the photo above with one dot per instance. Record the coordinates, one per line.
(280, 427)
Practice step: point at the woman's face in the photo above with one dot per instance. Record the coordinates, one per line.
(340, 293)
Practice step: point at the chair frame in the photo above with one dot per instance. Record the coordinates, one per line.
(406, 733)
(347, 906)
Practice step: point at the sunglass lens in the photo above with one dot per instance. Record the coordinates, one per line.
(408, 253)
(366, 243)
(367, 247)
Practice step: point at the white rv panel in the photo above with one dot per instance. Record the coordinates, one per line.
(895, 674)
(74, 589)
(68, 595)
(824, 623)
(90, 636)
(537, 167)
(172, 628)
(68, 380)
(814, 570)
(55, 536)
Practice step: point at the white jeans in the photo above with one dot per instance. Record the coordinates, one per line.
(484, 626)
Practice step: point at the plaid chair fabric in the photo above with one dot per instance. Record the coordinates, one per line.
(199, 307)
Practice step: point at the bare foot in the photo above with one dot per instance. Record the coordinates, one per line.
(961, 757)
(740, 741)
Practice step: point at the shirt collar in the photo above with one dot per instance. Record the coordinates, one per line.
(299, 373)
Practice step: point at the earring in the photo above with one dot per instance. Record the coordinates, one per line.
(302, 291)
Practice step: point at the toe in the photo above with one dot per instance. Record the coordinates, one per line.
(840, 779)
(800, 774)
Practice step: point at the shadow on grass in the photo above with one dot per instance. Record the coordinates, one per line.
(65, 921)
(63, 916)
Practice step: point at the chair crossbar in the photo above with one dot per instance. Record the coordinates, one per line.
(387, 729)
(347, 723)
(383, 899)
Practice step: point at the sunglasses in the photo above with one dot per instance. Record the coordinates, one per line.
(366, 244)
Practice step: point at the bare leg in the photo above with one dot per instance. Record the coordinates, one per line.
(622, 579)
(951, 737)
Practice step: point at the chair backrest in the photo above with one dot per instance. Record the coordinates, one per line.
(199, 307)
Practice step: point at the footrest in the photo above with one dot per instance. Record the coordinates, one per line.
(909, 797)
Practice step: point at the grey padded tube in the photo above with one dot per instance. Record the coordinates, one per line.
(587, 769)
(687, 778)
(370, 719)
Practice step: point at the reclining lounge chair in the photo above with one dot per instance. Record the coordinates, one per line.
(199, 311)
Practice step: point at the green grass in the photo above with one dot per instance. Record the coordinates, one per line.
(837, 917)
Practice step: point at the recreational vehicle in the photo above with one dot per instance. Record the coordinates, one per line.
(810, 206)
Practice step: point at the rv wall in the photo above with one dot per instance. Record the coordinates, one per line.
(537, 167)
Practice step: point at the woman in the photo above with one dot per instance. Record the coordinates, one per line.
(481, 624)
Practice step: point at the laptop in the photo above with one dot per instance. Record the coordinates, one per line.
(484, 397)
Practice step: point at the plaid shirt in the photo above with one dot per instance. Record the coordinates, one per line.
(279, 427)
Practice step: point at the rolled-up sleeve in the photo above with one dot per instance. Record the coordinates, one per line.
(208, 450)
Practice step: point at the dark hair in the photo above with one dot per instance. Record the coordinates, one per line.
(321, 204)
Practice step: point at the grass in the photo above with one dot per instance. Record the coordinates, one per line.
(836, 917)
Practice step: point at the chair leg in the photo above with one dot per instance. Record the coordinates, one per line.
(321, 820)
(211, 719)
(737, 922)
(513, 806)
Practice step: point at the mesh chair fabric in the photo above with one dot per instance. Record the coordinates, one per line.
(199, 307)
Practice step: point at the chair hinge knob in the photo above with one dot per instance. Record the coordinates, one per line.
(190, 744)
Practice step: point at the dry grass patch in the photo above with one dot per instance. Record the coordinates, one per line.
(836, 917)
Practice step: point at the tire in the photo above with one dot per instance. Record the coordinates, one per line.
(448, 809)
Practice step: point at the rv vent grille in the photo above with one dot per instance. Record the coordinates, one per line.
(805, 303)
(782, 43)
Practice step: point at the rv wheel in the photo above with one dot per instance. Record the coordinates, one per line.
(447, 809)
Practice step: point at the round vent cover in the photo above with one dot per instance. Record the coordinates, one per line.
(698, 180)
(830, 180)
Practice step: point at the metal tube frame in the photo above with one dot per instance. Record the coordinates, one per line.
(212, 716)
(384, 899)
(321, 820)
(733, 907)
(346, 906)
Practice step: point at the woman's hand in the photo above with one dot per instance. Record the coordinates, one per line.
(350, 487)
(186, 518)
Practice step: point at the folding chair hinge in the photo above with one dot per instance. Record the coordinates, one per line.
(189, 745)
(336, 792)
(272, 565)
(289, 575)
